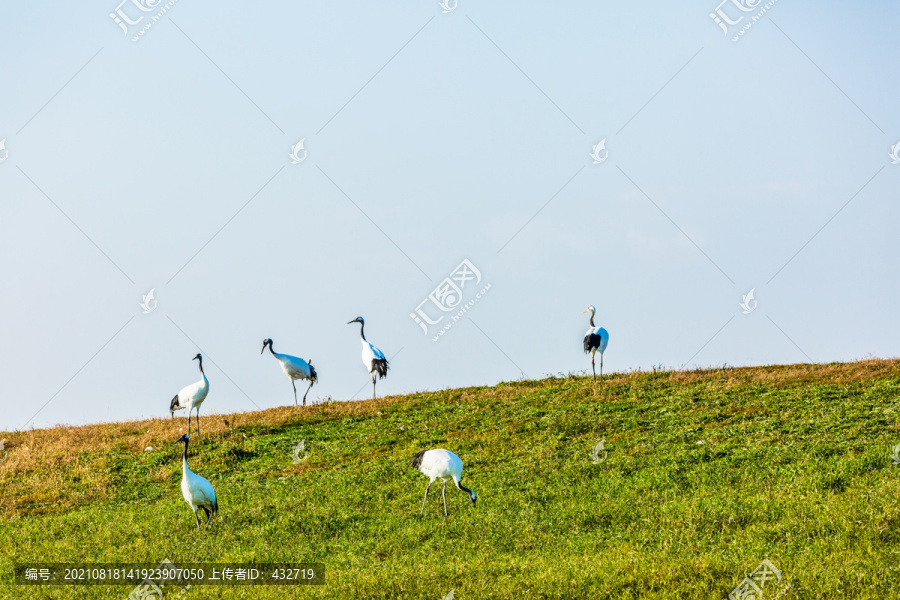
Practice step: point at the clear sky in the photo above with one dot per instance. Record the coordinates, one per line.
(429, 138)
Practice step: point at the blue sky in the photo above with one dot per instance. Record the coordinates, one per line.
(431, 138)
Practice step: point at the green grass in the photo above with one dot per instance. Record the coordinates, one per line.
(795, 467)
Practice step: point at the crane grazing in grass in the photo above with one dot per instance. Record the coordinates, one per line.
(440, 464)
(192, 396)
(372, 357)
(197, 491)
(293, 367)
(595, 340)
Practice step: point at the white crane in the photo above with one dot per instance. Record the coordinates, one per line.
(372, 357)
(295, 368)
(197, 491)
(595, 340)
(192, 396)
(440, 464)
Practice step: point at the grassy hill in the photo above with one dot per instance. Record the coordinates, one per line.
(706, 474)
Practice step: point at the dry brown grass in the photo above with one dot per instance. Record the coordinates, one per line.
(43, 449)
(42, 465)
(39, 449)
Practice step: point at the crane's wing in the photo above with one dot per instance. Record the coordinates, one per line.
(378, 353)
(204, 492)
(596, 338)
(295, 367)
(187, 391)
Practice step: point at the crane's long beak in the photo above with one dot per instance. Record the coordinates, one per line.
(585, 310)
(263, 349)
(353, 321)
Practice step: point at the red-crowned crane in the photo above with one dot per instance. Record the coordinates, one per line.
(372, 357)
(192, 396)
(440, 464)
(197, 491)
(293, 367)
(595, 340)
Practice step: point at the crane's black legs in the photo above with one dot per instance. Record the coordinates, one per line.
(425, 498)
(444, 494)
(189, 421)
(197, 517)
(594, 369)
(373, 387)
(294, 385)
(198, 421)
(208, 516)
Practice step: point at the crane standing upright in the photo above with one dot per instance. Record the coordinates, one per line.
(198, 492)
(595, 340)
(191, 396)
(372, 357)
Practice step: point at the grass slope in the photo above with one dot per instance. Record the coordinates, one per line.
(794, 466)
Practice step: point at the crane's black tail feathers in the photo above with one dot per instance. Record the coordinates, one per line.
(416, 462)
(380, 366)
(313, 376)
(592, 342)
(174, 405)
